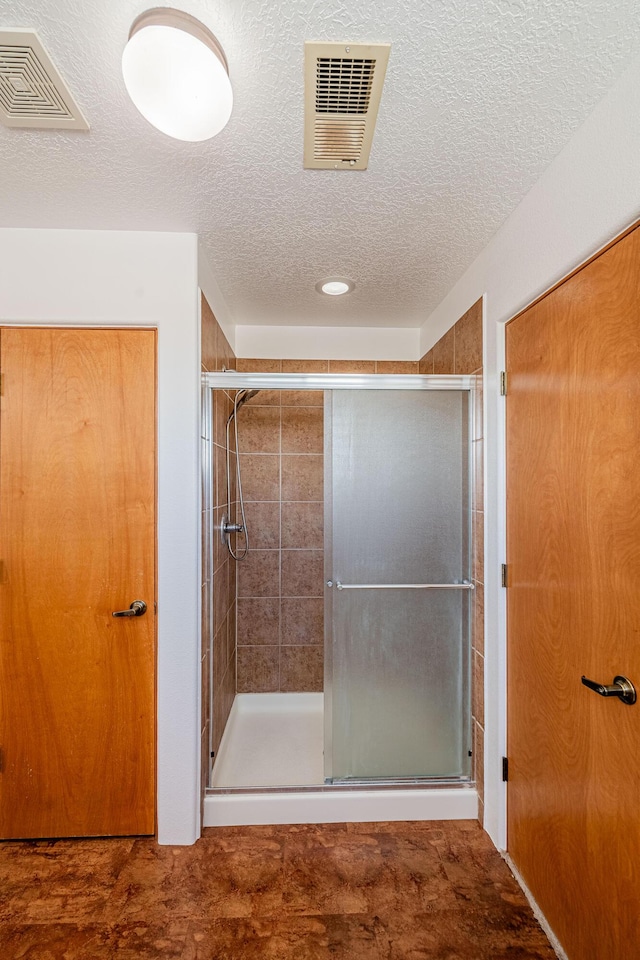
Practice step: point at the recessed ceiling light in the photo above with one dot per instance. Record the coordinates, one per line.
(176, 73)
(335, 286)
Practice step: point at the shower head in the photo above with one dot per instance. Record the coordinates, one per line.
(241, 397)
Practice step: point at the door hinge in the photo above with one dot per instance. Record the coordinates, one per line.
(505, 769)
(1, 384)
(503, 383)
(1, 760)
(503, 574)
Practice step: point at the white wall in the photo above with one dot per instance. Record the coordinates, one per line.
(74, 278)
(328, 343)
(588, 194)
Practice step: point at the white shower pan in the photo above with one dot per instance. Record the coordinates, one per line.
(269, 770)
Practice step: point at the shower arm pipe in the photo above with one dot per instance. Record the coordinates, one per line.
(401, 586)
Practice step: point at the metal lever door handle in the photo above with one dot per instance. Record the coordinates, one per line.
(621, 688)
(137, 608)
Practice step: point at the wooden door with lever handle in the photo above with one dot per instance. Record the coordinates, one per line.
(573, 552)
(77, 544)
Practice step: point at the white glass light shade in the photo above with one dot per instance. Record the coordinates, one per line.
(335, 286)
(176, 74)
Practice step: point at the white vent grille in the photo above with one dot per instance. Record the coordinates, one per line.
(32, 92)
(343, 86)
(343, 138)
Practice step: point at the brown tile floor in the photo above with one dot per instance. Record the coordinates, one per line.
(376, 891)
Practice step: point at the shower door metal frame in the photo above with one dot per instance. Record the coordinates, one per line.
(334, 588)
(335, 381)
(230, 379)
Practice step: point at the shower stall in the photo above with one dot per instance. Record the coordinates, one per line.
(392, 717)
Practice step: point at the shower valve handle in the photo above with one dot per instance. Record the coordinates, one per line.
(233, 528)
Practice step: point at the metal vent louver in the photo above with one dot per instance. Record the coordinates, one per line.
(343, 86)
(32, 92)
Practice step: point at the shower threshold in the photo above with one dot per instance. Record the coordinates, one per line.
(269, 770)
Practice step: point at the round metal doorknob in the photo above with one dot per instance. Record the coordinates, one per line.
(137, 609)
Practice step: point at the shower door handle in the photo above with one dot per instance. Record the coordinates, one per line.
(621, 688)
(465, 585)
(137, 609)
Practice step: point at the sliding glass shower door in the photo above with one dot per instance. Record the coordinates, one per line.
(398, 584)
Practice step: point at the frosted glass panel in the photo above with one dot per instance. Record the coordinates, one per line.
(399, 510)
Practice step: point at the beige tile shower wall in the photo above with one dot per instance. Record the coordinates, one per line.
(280, 587)
(219, 623)
(460, 351)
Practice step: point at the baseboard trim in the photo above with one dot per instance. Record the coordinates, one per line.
(537, 912)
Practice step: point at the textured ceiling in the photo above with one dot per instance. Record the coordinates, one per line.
(480, 96)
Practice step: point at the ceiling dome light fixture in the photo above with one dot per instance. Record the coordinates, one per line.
(176, 73)
(335, 286)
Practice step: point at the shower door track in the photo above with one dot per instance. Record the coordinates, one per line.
(335, 381)
(417, 783)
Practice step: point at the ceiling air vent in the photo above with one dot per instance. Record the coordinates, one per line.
(343, 86)
(32, 92)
